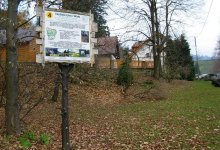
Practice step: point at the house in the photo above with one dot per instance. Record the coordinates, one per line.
(141, 55)
(108, 52)
(27, 47)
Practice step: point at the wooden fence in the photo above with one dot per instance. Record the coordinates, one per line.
(138, 64)
(26, 52)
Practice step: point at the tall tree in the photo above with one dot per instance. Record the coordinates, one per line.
(216, 67)
(97, 8)
(153, 19)
(179, 62)
(12, 120)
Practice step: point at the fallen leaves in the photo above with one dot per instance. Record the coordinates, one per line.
(100, 117)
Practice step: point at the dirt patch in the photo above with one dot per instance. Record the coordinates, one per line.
(2, 120)
(106, 92)
(95, 95)
(90, 86)
(149, 89)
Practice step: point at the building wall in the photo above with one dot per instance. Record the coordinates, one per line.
(142, 64)
(143, 54)
(138, 64)
(105, 61)
(26, 52)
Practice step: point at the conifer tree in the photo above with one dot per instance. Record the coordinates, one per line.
(179, 62)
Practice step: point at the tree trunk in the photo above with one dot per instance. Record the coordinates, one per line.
(167, 35)
(65, 69)
(152, 12)
(156, 67)
(12, 120)
(158, 44)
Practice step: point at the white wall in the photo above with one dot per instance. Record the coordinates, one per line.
(144, 54)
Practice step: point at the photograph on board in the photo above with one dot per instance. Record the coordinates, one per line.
(84, 53)
(85, 36)
(55, 52)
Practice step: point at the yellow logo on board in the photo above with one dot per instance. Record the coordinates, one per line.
(49, 14)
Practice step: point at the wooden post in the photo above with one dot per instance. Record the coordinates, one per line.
(65, 70)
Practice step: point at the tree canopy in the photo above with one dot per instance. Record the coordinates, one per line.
(97, 7)
(154, 20)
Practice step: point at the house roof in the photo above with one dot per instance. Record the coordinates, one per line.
(23, 35)
(107, 45)
(136, 47)
(139, 45)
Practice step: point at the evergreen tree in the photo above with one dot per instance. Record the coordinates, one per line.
(97, 8)
(171, 60)
(216, 67)
(186, 61)
(125, 75)
(179, 62)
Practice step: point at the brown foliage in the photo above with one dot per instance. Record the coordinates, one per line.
(21, 19)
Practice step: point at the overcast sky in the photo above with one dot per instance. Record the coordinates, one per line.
(206, 33)
(206, 38)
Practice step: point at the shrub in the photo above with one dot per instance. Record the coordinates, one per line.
(25, 143)
(28, 138)
(125, 76)
(30, 135)
(45, 139)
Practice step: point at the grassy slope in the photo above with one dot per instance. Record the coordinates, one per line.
(190, 119)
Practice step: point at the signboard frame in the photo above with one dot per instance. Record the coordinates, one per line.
(58, 50)
(65, 65)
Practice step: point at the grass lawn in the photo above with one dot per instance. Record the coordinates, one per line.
(189, 119)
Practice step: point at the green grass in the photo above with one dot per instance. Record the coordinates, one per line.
(189, 119)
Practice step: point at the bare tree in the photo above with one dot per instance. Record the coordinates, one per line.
(154, 21)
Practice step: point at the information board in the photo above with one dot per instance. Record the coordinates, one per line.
(66, 37)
